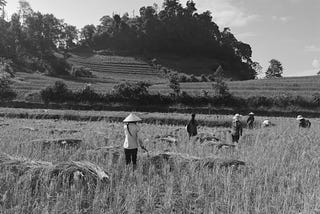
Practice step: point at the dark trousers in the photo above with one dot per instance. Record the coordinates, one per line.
(131, 156)
(235, 138)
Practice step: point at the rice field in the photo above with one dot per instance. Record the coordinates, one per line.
(280, 175)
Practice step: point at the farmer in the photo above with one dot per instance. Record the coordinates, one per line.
(266, 123)
(131, 130)
(192, 126)
(250, 120)
(236, 131)
(303, 123)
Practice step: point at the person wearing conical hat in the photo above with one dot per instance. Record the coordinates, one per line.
(236, 131)
(250, 120)
(303, 123)
(132, 140)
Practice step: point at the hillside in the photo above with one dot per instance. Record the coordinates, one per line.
(110, 70)
(107, 71)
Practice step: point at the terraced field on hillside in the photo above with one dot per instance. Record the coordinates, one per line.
(118, 68)
(107, 71)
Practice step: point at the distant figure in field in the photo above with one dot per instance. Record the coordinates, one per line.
(131, 130)
(192, 126)
(266, 123)
(250, 120)
(236, 131)
(303, 123)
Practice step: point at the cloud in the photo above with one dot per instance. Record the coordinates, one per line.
(282, 19)
(312, 48)
(246, 35)
(316, 64)
(227, 14)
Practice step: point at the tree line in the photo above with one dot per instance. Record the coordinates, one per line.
(33, 38)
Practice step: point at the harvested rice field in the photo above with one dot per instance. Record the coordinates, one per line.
(60, 166)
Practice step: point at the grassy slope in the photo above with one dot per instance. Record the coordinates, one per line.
(109, 70)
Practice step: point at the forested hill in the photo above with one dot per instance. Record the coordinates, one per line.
(173, 33)
(175, 29)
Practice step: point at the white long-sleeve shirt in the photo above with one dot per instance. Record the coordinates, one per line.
(131, 131)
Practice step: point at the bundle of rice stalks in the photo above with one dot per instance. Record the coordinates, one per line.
(63, 131)
(220, 145)
(58, 143)
(184, 161)
(170, 139)
(204, 137)
(36, 178)
(31, 129)
(4, 124)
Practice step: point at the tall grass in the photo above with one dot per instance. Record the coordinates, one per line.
(281, 173)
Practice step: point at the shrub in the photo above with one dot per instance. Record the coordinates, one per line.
(221, 88)
(6, 92)
(59, 66)
(259, 101)
(6, 67)
(193, 78)
(129, 90)
(316, 98)
(203, 78)
(211, 77)
(80, 71)
(87, 95)
(174, 84)
(58, 93)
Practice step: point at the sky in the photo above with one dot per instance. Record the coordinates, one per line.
(286, 30)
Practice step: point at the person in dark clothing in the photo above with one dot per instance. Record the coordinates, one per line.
(236, 131)
(303, 123)
(192, 126)
(250, 120)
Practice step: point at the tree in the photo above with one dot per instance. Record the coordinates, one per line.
(221, 88)
(2, 4)
(69, 36)
(87, 33)
(257, 67)
(275, 69)
(174, 84)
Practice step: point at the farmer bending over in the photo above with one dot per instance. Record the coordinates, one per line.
(131, 130)
(236, 128)
(192, 126)
(303, 123)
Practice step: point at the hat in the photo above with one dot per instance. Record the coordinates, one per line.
(266, 122)
(236, 116)
(132, 118)
(251, 113)
(299, 117)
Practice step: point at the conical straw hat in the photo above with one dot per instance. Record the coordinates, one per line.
(299, 117)
(236, 116)
(251, 113)
(132, 118)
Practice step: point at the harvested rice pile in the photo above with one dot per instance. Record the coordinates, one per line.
(183, 161)
(58, 143)
(45, 180)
